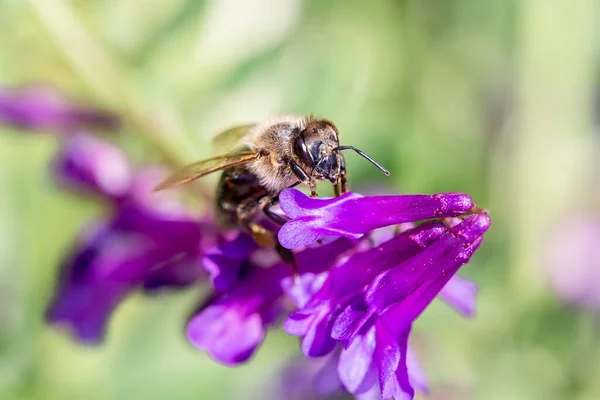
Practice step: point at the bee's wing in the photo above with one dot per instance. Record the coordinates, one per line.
(202, 168)
(230, 138)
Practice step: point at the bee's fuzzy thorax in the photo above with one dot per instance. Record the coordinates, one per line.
(275, 137)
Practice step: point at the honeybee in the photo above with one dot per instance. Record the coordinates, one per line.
(269, 157)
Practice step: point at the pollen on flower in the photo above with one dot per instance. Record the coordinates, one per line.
(453, 201)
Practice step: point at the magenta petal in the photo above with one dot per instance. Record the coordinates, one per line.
(437, 262)
(395, 284)
(314, 264)
(352, 275)
(298, 323)
(226, 334)
(356, 364)
(306, 378)
(326, 380)
(224, 260)
(231, 325)
(350, 321)
(91, 164)
(374, 393)
(317, 340)
(351, 215)
(346, 281)
(460, 293)
(301, 289)
(299, 233)
(390, 353)
(407, 310)
(296, 204)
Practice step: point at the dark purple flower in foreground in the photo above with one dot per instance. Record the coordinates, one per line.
(335, 374)
(369, 300)
(41, 108)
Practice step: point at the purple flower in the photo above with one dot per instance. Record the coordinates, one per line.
(115, 258)
(224, 261)
(352, 215)
(147, 242)
(368, 301)
(325, 377)
(41, 108)
(232, 323)
(354, 296)
(230, 327)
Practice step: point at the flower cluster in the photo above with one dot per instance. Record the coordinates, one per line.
(367, 302)
(364, 269)
(144, 241)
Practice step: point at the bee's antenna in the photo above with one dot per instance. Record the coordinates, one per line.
(363, 154)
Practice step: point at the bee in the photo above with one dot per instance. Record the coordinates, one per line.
(269, 157)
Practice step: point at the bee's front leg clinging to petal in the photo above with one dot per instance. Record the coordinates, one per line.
(304, 177)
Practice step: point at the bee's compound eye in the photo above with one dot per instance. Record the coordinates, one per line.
(302, 152)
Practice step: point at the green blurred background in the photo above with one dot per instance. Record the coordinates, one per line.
(494, 98)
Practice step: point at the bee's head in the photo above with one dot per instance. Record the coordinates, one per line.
(317, 146)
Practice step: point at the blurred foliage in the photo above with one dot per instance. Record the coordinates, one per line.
(494, 98)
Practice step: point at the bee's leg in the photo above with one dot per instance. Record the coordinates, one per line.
(304, 177)
(266, 207)
(341, 186)
(287, 256)
(278, 219)
(245, 211)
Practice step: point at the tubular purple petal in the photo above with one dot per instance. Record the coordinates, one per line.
(355, 367)
(391, 353)
(351, 215)
(317, 341)
(407, 310)
(226, 333)
(396, 283)
(446, 254)
(352, 275)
